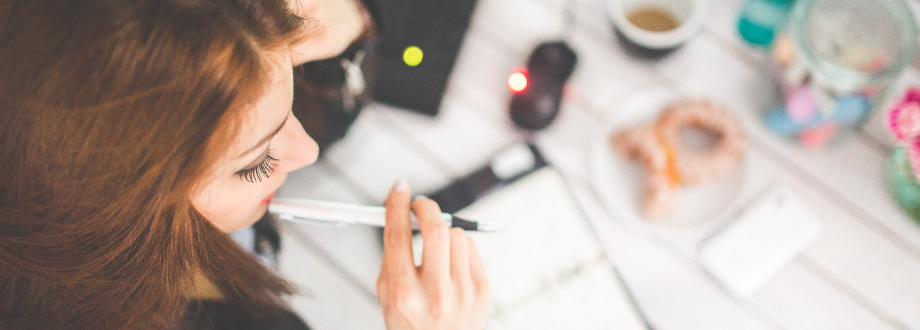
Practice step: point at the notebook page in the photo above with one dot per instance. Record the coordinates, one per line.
(547, 270)
(593, 299)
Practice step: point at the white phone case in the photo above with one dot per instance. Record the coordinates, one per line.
(769, 234)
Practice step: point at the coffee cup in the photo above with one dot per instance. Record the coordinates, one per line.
(656, 27)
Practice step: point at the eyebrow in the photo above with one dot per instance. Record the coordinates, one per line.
(265, 139)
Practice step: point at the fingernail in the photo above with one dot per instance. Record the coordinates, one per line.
(421, 198)
(401, 186)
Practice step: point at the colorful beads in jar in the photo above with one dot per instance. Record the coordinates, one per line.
(833, 65)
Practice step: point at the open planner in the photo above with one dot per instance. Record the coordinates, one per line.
(547, 269)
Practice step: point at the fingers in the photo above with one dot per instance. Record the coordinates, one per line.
(328, 40)
(383, 292)
(435, 242)
(460, 258)
(478, 273)
(450, 288)
(397, 234)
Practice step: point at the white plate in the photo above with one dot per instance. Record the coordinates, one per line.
(619, 181)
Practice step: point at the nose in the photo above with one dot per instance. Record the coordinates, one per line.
(301, 150)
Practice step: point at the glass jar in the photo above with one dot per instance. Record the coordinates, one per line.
(832, 65)
(903, 183)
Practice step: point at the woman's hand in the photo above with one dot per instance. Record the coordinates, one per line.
(449, 290)
(332, 24)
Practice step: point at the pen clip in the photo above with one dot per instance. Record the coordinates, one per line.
(312, 222)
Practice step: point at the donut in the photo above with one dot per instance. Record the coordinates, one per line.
(659, 197)
(669, 163)
(640, 144)
(702, 165)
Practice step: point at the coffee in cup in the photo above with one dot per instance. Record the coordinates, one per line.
(653, 19)
(651, 28)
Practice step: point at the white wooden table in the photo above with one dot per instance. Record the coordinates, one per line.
(863, 272)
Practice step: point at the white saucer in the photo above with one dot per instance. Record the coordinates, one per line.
(619, 181)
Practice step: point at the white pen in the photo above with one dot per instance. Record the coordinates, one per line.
(316, 212)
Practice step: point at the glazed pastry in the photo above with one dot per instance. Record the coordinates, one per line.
(641, 145)
(670, 163)
(660, 195)
(701, 165)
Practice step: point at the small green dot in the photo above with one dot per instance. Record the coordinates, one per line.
(412, 56)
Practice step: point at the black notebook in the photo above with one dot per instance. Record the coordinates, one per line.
(437, 28)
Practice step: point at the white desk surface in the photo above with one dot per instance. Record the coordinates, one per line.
(863, 272)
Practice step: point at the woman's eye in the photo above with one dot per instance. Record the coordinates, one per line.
(261, 171)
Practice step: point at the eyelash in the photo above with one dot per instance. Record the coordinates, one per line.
(261, 171)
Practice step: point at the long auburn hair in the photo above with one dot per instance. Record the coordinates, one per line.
(111, 112)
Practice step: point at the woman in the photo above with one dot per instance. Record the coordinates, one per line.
(136, 134)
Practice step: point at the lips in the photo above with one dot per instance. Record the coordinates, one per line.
(268, 199)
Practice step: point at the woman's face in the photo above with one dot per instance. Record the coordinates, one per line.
(270, 143)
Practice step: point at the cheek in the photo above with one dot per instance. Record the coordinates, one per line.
(229, 207)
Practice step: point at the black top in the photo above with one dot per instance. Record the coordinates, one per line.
(214, 315)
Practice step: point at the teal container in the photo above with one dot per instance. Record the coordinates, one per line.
(759, 20)
(903, 183)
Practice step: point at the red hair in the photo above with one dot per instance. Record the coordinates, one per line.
(111, 112)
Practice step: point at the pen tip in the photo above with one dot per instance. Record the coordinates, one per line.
(485, 226)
